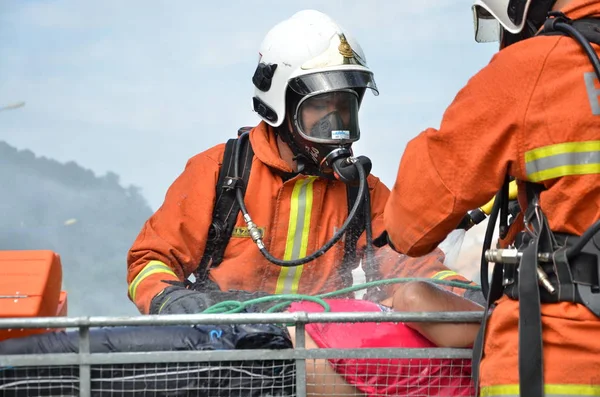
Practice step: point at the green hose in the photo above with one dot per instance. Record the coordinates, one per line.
(231, 306)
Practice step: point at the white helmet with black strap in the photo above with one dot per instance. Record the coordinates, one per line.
(309, 82)
(509, 21)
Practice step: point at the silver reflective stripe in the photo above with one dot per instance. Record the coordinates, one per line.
(593, 91)
(562, 159)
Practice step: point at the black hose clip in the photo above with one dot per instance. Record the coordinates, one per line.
(230, 183)
(344, 169)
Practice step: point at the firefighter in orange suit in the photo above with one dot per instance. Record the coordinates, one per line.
(309, 82)
(532, 115)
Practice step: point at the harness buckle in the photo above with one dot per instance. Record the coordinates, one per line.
(588, 292)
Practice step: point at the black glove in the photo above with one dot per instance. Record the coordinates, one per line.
(179, 300)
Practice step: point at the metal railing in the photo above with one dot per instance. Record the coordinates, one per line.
(85, 359)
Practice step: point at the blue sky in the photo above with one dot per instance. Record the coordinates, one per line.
(137, 87)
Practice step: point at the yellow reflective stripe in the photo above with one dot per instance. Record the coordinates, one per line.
(554, 161)
(153, 267)
(561, 148)
(305, 233)
(549, 390)
(444, 274)
(297, 236)
(289, 244)
(566, 170)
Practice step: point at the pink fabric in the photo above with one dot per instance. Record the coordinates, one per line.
(386, 377)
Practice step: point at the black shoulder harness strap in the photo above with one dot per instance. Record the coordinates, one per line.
(588, 27)
(226, 207)
(226, 210)
(584, 31)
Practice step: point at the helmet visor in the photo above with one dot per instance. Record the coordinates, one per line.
(487, 28)
(330, 118)
(332, 80)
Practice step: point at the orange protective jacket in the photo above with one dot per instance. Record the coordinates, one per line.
(298, 216)
(534, 106)
(533, 112)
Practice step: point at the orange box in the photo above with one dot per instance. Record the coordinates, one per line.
(61, 311)
(30, 286)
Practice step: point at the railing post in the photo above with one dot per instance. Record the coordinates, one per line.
(301, 362)
(85, 376)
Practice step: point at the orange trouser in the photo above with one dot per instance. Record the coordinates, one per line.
(571, 337)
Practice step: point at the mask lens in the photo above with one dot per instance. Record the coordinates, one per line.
(330, 118)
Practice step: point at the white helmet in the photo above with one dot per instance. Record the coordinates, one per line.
(519, 19)
(309, 53)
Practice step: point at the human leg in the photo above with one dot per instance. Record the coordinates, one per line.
(321, 378)
(372, 376)
(419, 296)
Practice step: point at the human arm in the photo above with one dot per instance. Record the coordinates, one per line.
(171, 242)
(388, 264)
(445, 173)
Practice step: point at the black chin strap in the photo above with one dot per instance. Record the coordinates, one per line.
(536, 15)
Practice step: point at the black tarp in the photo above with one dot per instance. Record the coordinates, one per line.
(210, 379)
